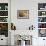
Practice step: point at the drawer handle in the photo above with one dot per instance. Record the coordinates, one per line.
(1, 39)
(43, 39)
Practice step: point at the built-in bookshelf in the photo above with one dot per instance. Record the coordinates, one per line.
(4, 19)
(42, 19)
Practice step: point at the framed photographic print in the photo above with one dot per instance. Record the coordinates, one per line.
(22, 14)
(42, 32)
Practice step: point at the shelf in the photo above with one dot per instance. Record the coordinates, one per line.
(3, 22)
(41, 22)
(42, 16)
(3, 16)
(41, 28)
(41, 10)
(3, 10)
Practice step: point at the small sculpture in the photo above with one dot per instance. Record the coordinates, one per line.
(31, 27)
(13, 27)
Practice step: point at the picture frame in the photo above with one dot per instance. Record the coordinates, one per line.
(42, 33)
(22, 14)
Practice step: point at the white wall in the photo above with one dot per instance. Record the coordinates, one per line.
(23, 24)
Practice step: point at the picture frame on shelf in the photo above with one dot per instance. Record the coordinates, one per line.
(22, 14)
(42, 33)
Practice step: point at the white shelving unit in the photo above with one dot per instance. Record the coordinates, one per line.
(4, 19)
(42, 18)
(3, 12)
(4, 23)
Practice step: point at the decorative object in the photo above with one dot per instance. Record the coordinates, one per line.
(3, 13)
(41, 19)
(3, 6)
(3, 19)
(42, 32)
(6, 7)
(23, 14)
(4, 29)
(41, 6)
(41, 25)
(31, 27)
(43, 13)
(0, 7)
(22, 43)
(27, 38)
(23, 40)
(13, 27)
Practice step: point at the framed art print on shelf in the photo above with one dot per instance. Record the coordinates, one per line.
(42, 33)
(22, 14)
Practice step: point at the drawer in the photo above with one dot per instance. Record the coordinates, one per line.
(3, 41)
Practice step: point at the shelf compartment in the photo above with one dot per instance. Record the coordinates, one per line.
(3, 13)
(3, 26)
(41, 28)
(4, 29)
(41, 19)
(3, 19)
(42, 32)
(41, 25)
(41, 6)
(41, 13)
(3, 6)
